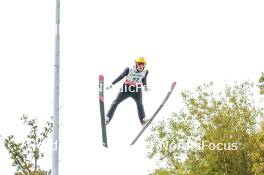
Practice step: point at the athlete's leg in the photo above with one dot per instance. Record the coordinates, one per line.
(120, 97)
(137, 96)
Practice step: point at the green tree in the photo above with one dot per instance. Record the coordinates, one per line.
(261, 81)
(227, 118)
(26, 155)
(258, 138)
(162, 172)
(257, 153)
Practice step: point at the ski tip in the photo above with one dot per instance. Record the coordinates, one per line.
(173, 84)
(101, 77)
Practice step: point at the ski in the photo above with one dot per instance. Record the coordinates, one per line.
(102, 110)
(154, 115)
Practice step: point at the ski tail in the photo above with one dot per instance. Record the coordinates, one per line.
(156, 112)
(102, 110)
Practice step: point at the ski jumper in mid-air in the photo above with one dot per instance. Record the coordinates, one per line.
(136, 80)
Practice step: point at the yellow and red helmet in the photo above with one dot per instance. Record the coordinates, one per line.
(141, 60)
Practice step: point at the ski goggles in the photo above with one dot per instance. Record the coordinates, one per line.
(141, 64)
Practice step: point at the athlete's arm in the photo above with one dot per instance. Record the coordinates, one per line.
(144, 80)
(121, 76)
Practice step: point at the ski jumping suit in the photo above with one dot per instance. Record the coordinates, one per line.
(132, 87)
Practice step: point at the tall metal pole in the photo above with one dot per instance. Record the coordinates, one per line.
(56, 108)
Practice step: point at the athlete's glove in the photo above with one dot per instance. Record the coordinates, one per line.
(109, 87)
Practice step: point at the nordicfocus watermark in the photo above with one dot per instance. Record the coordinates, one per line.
(134, 88)
(170, 146)
(220, 146)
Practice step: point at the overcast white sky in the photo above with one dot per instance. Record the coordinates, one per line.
(188, 41)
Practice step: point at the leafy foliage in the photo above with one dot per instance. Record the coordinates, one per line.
(34, 173)
(261, 87)
(227, 118)
(26, 155)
